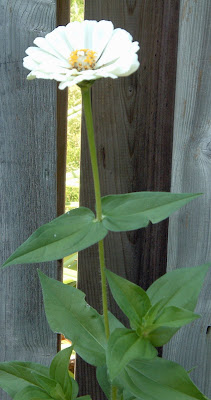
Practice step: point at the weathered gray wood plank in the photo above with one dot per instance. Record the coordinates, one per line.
(190, 229)
(134, 124)
(27, 179)
(62, 18)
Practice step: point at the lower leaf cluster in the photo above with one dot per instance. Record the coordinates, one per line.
(128, 362)
(28, 381)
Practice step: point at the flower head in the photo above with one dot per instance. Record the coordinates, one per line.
(82, 51)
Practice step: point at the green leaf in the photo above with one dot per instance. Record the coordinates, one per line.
(32, 393)
(125, 345)
(16, 376)
(179, 288)
(131, 298)
(86, 397)
(161, 335)
(59, 371)
(104, 380)
(159, 379)
(175, 317)
(114, 323)
(128, 396)
(166, 324)
(125, 212)
(153, 311)
(71, 232)
(49, 386)
(68, 313)
(105, 384)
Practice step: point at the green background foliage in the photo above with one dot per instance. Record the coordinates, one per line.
(73, 149)
(74, 123)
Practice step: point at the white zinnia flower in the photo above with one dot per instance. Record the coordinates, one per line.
(82, 51)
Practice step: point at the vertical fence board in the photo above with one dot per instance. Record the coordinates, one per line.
(189, 229)
(27, 179)
(62, 18)
(134, 123)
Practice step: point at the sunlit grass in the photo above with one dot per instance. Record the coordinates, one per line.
(74, 127)
(73, 164)
(73, 152)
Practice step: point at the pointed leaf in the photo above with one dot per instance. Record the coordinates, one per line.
(68, 313)
(161, 335)
(32, 393)
(128, 396)
(131, 298)
(86, 397)
(104, 380)
(159, 379)
(125, 345)
(71, 232)
(50, 386)
(153, 311)
(175, 317)
(15, 375)
(59, 371)
(114, 323)
(166, 324)
(179, 288)
(124, 212)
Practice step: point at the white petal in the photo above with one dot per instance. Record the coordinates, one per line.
(41, 56)
(135, 47)
(88, 28)
(83, 76)
(43, 44)
(38, 74)
(71, 82)
(124, 66)
(52, 69)
(63, 85)
(119, 43)
(89, 34)
(75, 35)
(133, 68)
(102, 73)
(57, 39)
(101, 35)
(29, 63)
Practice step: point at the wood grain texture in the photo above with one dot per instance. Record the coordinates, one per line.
(133, 119)
(190, 229)
(27, 179)
(62, 18)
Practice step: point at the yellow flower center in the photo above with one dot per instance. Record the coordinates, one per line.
(83, 59)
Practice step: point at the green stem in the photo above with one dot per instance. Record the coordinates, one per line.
(103, 286)
(86, 97)
(113, 393)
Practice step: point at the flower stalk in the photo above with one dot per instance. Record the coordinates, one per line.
(86, 98)
(113, 393)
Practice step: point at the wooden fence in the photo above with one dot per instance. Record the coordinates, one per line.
(153, 133)
(28, 175)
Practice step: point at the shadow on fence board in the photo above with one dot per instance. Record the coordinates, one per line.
(134, 127)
